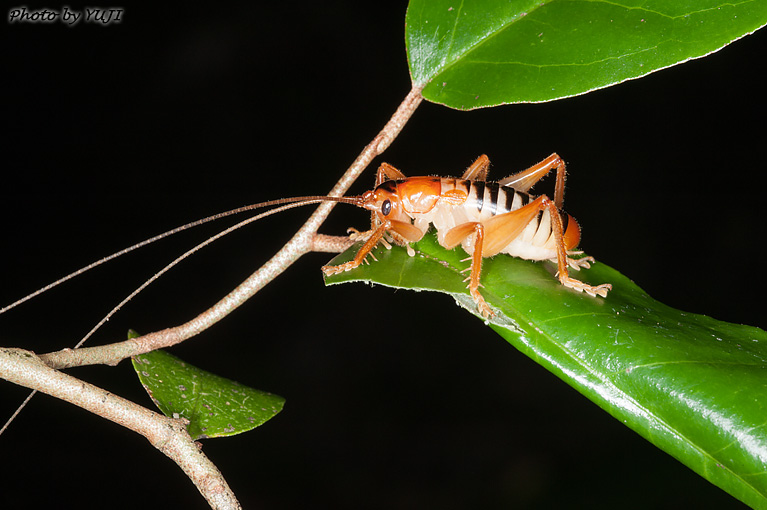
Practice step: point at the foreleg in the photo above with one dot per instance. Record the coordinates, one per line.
(363, 252)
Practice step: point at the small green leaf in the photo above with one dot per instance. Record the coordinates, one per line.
(476, 53)
(694, 386)
(214, 406)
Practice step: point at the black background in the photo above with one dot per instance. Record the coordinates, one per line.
(394, 399)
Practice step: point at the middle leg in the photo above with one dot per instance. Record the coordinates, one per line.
(476, 271)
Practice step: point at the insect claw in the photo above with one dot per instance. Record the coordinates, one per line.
(485, 310)
(482, 305)
(331, 270)
(593, 291)
(583, 262)
(602, 289)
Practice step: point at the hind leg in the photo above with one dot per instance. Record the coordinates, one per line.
(526, 179)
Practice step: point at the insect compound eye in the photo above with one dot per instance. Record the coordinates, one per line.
(386, 207)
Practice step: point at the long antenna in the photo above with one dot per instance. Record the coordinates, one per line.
(307, 199)
(189, 253)
(288, 203)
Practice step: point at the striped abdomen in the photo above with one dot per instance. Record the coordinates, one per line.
(488, 199)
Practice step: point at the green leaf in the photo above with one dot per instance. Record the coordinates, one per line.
(694, 386)
(477, 53)
(214, 406)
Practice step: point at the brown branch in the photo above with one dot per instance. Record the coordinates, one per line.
(169, 435)
(166, 434)
(304, 241)
(331, 244)
(111, 354)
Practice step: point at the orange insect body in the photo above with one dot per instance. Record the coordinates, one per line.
(453, 202)
(485, 218)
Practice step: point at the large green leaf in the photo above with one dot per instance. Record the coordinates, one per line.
(694, 386)
(215, 406)
(474, 53)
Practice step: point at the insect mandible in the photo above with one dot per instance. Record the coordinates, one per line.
(485, 218)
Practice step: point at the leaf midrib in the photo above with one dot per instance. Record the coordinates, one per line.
(451, 59)
(604, 380)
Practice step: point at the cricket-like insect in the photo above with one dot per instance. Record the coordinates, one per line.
(485, 218)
